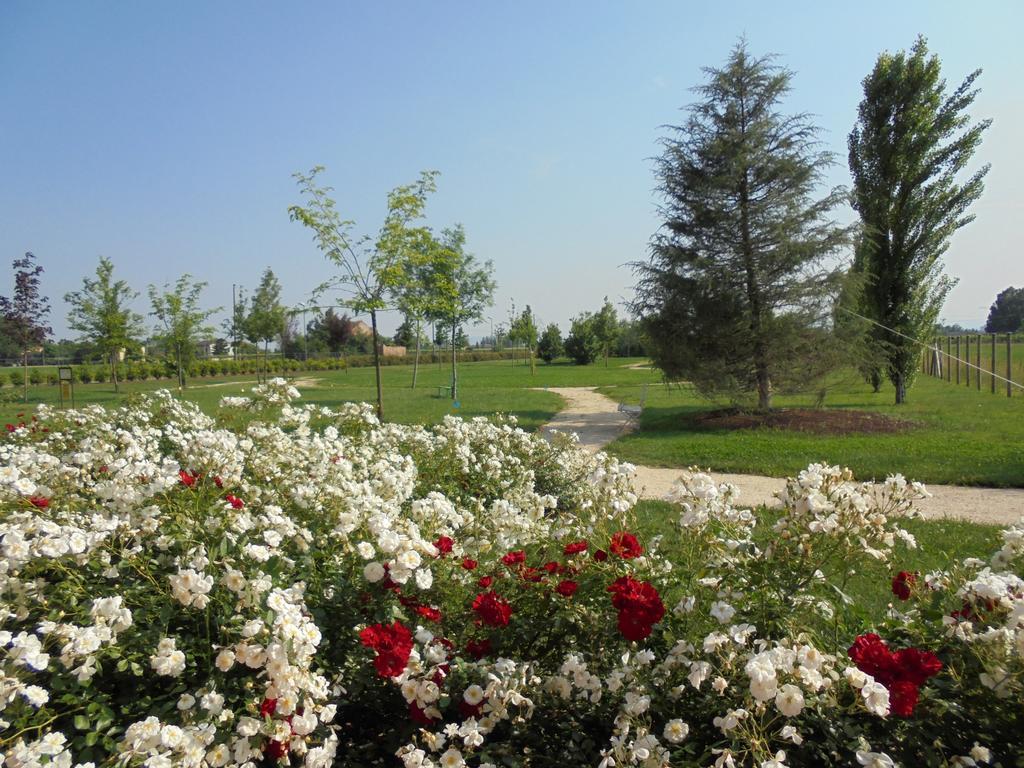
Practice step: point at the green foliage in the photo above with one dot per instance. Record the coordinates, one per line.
(22, 314)
(606, 328)
(100, 313)
(181, 322)
(1006, 315)
(550, 347)
(735, 282)
(582, 343)
(909, 144)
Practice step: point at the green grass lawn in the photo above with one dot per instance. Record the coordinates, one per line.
(961, 436)
(485, 388)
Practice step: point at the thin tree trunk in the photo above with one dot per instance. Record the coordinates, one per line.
(376, 365)
(416, 360)
(25, 358)
(761, 373)
(455, 375)
(901, 388)
(113, 371)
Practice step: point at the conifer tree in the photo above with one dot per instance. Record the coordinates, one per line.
(734, 294)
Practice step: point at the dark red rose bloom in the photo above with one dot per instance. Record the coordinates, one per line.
(393, 644)
(902, 584)
(575, 547)
(429, 613)
(902, 698)
(39, 502)
(485, 581)
(478, 648)
(469, 563)
(600, 555)
(514, 558)
(530, 574)
(468, 710)
(444, 545)
(870, 653)
(268, 707)
(625, 546)
(235, 502)
(493, 610)
(639, 606)
(553, 567)
(217, 481)
(567, 588)
(187, 478)
(417, 715)
(916, 665)
(276, 749)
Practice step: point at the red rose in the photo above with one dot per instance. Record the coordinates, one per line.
(530, 574)
(492, 609)
(418, 715)
(870, 653)
(234, 501)
(39, 502)
(469, 564)
(902, 698)
(478, 648)
(514, 558)
(468, 710)
(567, 588)
(187, 478)
(268, 707)
(444, 545)
(276, 749)
(916, 665)
(625, 546)
(392, 644)
(902, 583)
(600, 555)
(485, 581)
(639, 606)
(553, 567)
(575, 547)
(429, 613)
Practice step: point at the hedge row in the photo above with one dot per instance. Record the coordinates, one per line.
(163, 369)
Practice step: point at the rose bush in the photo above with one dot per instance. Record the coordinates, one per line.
(295, 584)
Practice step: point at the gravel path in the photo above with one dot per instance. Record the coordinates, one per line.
(597, 420)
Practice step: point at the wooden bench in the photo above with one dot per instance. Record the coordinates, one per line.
(443, 390)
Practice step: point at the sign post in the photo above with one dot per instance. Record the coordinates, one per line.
(66, 380)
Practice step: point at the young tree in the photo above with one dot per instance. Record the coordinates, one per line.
(100, 313)
(266, 318)
(22, 314)
(735, 285)
(606, 328)
(582, 343)
(234, 326)
(371, 269)
(524, 329)
(181, 322)
(550, 348)
(1006, 315)
(413, 295)
(462, 288)
(910, 143)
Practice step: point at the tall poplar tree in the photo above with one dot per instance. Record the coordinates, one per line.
(266, 318)
(909, 144)
(734, 294)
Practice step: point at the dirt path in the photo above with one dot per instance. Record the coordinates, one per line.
(597, 420)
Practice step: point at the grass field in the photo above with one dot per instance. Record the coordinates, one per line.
(960, 436)
(484, 389)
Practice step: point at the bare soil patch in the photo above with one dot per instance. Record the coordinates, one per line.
(818, 421)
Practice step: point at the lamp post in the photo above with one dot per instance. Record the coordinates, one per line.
(494, 343)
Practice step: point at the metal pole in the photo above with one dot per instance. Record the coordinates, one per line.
(1009, 369)
(967, 359)
(977, 362)
(958, 359)
(234, 330)
(993, 363)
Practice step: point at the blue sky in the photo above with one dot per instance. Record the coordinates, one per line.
(164, 135)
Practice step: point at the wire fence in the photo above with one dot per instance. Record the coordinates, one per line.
(991, 362)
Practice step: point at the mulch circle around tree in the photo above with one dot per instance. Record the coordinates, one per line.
(819, 421)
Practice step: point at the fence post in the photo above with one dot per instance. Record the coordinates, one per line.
(1009, 370)
(977, 359)
(993, 363)
(967, 359)
(958, 358)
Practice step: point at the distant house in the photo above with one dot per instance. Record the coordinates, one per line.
(359, 328)
(388, 351)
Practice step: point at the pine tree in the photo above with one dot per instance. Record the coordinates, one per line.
(550, 347)
(910, 142)
(734, 294)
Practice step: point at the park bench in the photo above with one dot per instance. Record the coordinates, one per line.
(634, 410)
(443, 390)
